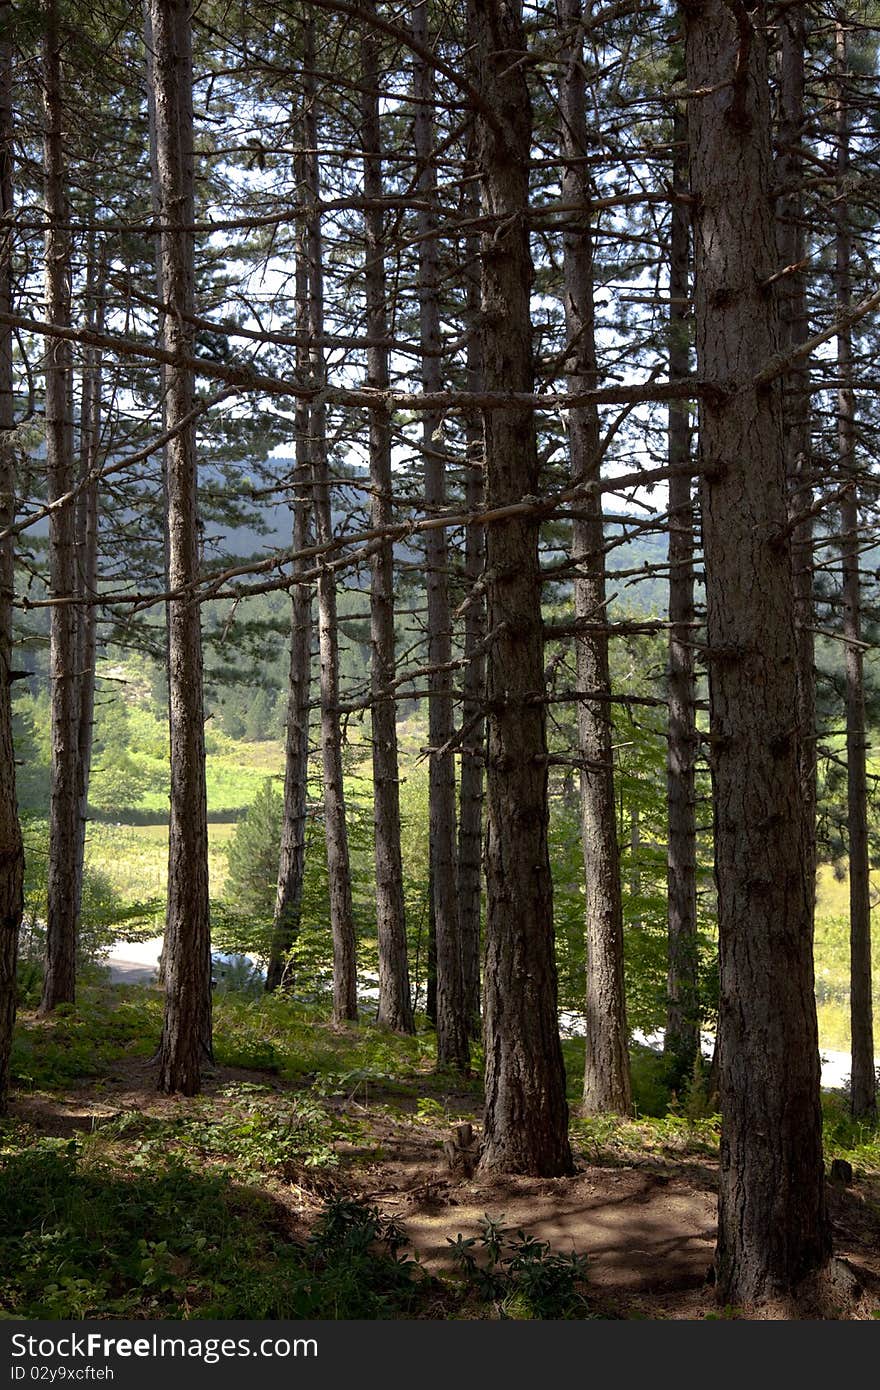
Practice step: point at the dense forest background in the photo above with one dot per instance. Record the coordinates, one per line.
(438, 597)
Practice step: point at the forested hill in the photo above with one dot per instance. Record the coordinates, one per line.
(646, 548)
(647, 593)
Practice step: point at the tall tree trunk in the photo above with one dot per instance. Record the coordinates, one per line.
(863, 1085)
(62, 915)
(292, 858)
(452, 1020)
(606, 1074)
(87, 545)
(772, 1225)
(791, 244)
(11, 855)
(395, 1005)
(431, 961)
(186, 1033)
(470, 818)
(681, 1041)
(338, 863)
(526, 1117)
(156, 208)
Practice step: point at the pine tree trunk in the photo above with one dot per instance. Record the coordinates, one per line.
(772, 1224)
(452, 1020)
(681, 1041)
(186, 1034)
(395, 1006)
(635, 861)
(526, 1116)
(156, 208)
(292, 858)
(62, 915)
(87, 546)
(335, 828)
(11, 856)
(431, 962)
(790, 236)
(470, 820)
(863, 1086)
(606, 1074)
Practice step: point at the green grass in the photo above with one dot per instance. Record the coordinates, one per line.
(847, 1138)
(271, 1033)
(267, 1033)
(135, 857)
(235, 771)
(832, 957)
(85, 1236)
(172, 1210)
(175, 1210)
(81, 1042)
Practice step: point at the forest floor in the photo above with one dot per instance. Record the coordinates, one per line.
(640, 1207)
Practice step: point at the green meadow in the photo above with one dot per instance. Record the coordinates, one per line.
(133, 858)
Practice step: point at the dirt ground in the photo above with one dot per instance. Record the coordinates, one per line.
(648, 1236)
(646, 1223)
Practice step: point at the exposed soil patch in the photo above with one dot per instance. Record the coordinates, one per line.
(645, 1222)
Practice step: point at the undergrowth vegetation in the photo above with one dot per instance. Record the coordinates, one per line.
(149, 1207)
(83, 1238)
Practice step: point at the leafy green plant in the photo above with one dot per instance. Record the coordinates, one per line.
(359, 1256)
(520, 1275)
(83, 1237)
(252, 1132)
(243, 921)
(858, 1141)
(85, 1040)
(429, 1110)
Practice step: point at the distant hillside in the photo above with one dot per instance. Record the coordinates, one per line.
(647, 593)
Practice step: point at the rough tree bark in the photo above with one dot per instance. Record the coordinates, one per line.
(526, 1116)
(186, 1032)
(772, 1226)
(795, 326)
(395, 1005)
(473, 746)
(11, 855)
(606, 1072)
(292, 857)
(863, 1085)
(681, 1041)
(86, 523)
(156, 208)
(62, 914)
(338, 864)
(451, 1017)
